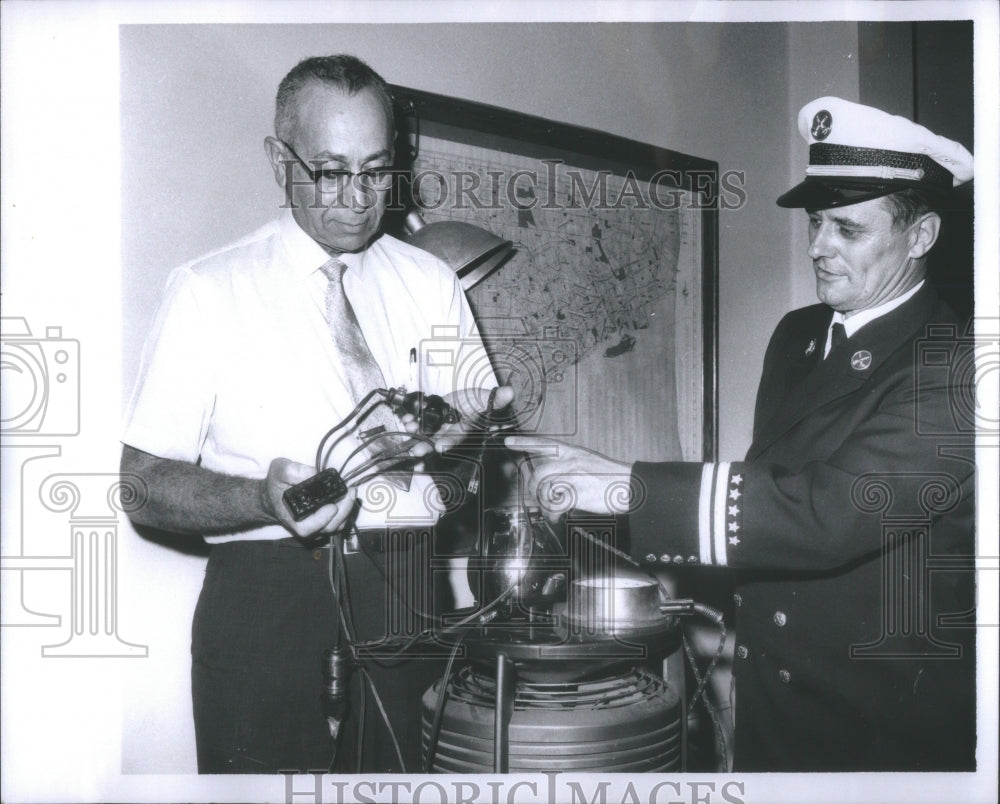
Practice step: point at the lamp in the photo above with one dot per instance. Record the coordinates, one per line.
(472, 252)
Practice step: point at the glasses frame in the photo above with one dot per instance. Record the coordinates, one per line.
(341, 176)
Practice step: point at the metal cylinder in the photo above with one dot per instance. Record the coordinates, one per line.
(624, 723)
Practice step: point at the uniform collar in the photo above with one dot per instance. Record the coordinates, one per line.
(855, 322)
(846, 372)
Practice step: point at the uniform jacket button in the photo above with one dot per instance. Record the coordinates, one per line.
(666, 559)
(738, 599)
(317, 554)
(780, 619)
(742, 651)
(650, 558)
(785, 676)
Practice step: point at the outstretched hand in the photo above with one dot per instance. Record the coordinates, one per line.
(471, 405)
(564, 477)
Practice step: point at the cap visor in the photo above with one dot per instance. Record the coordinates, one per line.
(820, 194)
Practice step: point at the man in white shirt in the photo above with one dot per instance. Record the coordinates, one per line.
(852, 652)
(242, 375)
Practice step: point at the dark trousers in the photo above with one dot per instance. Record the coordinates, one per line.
(264, 618)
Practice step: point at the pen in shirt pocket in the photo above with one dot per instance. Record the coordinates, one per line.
(413, 368)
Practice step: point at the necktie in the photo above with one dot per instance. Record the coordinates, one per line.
(837, 335)
(361, 372)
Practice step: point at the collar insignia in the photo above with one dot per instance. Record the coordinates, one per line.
(861, 360)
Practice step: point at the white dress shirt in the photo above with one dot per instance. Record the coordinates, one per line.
(238, 368)
(856, 321)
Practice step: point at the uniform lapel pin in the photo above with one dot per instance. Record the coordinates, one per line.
(811, 347)
(861, 360)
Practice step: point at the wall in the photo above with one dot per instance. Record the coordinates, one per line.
(197, 101)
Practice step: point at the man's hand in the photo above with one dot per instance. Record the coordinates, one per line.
(281, 475)
(471, 404)
(563, 477)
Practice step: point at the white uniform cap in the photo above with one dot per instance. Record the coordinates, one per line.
(858, 152)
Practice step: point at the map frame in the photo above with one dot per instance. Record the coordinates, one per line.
(666, 180)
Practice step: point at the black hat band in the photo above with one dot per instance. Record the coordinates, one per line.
(845, 161)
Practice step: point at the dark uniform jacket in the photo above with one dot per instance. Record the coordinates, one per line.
(851, 527)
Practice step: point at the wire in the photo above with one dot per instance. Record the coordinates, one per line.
(385, 716)
(702, 689)
(390, 454)
(336, 567)
(706, 611)
(320, 461)
(713, 715)
(337, 576)
(366, 443)
(333, 445)
(328, 453)
(409, 642)
(340, 588)
(435, 731)
(360, 743)
(716, 617)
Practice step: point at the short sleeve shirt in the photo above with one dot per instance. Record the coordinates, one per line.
(239, 366)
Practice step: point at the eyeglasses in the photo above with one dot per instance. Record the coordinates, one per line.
(334, 180)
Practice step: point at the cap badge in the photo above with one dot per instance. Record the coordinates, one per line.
(811, 347)
(821, 125)
(861, 360)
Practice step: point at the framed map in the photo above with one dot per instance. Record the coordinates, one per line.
(604, 317)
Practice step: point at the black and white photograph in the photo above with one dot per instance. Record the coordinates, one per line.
(500, 402)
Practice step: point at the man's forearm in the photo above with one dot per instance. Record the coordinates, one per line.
(184, 498)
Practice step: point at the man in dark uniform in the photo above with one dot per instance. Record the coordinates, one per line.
(851, 520)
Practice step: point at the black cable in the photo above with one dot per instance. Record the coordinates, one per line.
(477, 615)
(702, 689)
(344, 629)
(334, 587)
(333, 445)
(409, 642)
(363, 444)
(390, 454)
(360, 743)
(435, 731)
(338, 580)
(709, 707)
(320, 449)
(328, 452)
(336, 568)
(344, 601)
(709, 613)
(385, 716)
(705, 611)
